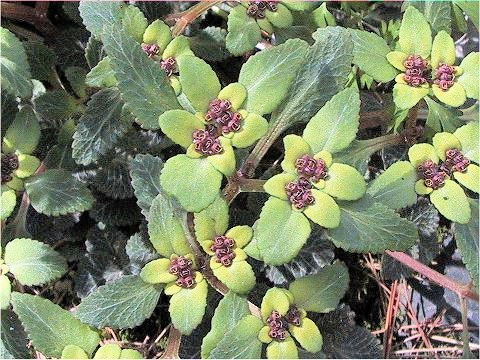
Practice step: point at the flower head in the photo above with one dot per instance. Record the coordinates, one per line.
(309, 182)
(285, 321)
(428, 68)
(441, 166)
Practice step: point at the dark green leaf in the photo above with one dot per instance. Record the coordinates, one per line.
(93, 52)
(209, 44)
(441, 118)
(51, 328)
(143, 84)
(437, 13)
(467, 241)
(41, 59)
(14, 339)
(70, 47)
(145, 173)
(55, 107)
(76, 77)
(367, 226)
(14, 66)
(140, 251)
(114, 180)
(55, 192)
(100, 127)
(123, 303)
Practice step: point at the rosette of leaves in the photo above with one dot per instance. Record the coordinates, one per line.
(108, 351)
(219, 124)
(428, 69)
(441, 167)
(249, 19)
(30, 262)
(305, 191)
(228, 259)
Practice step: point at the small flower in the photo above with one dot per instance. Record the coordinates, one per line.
(285, 321)
(309, 182)
(429, 68)
(228, 259)
(437, 166)
(178, 273)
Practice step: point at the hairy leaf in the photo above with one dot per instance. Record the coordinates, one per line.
(32, 262)
(51, 328)
(143, 84)
(41, 59)
(209, 44)
(55, 107)
(367, 226)
(231, 309)
(145, 174)
(56, 192)
(139, 251)
(268, 75)
(14, 66)
(97, 15)
(122, 303)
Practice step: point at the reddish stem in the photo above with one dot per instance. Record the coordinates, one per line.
(462, 290)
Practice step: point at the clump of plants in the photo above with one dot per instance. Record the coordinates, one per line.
(163, 163)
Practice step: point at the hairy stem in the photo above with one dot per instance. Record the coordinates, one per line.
(185, 18)
(464, 291)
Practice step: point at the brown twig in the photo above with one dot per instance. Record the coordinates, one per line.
(36, 16)
(462, 290)
(185, 18)
(173, 344)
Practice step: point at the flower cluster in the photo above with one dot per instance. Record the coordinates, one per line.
(279, 324)
(299, 193)
(256, 9)
(151, 49)
(169, 65)
(224, 250)
(221, 113)
(454, 161)
(183, 269)
(445, 76)
(416, 70)
(9, 165)
(310, 167)
(206, 142)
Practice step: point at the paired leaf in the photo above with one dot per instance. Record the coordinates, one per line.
(280, 232)
(369, 54)
(243, 31)
(122, 303)
(321, 292)
(187, 307)
(14, 66)
(335, 125)
(144, 86)
(100, 127)
(367, 226)
(51, 328)
(268, 75)
(33, 262)
(56, 192)
(231, 309)
(241, 342)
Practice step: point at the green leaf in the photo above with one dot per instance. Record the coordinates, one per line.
(321, 292)
(100, 127)
(14, 339)
(41, 59)
(230, 310)
(335, 125)
(5, 292)
(76, 77)
(33, 262)
(102, 74)
(97, 15)
(93, 52)
(441, 118)
(241, 342)
(280, 232)
(143, 84)
(395, 187)
(14, 66)
(468, 137)
(243, 32)
(165, 227)
(437, 13)
(134, 22)
(323, 74)
(369, 54)
(212, 221)
(195, 183)
(55, 107)
(367, 226)
(51, 328)
(466, 237)
(145, 174)
(8, 201)
(23, 133)
(187, 307)
(56, 192)
(268, 75)
(471, 9)
(121, 303)
(209, 44)
(415, 36)
(451, 201)
(199, 82)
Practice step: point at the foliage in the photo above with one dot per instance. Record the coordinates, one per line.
(185, 156)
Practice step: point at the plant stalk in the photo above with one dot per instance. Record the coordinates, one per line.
(185, 18)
